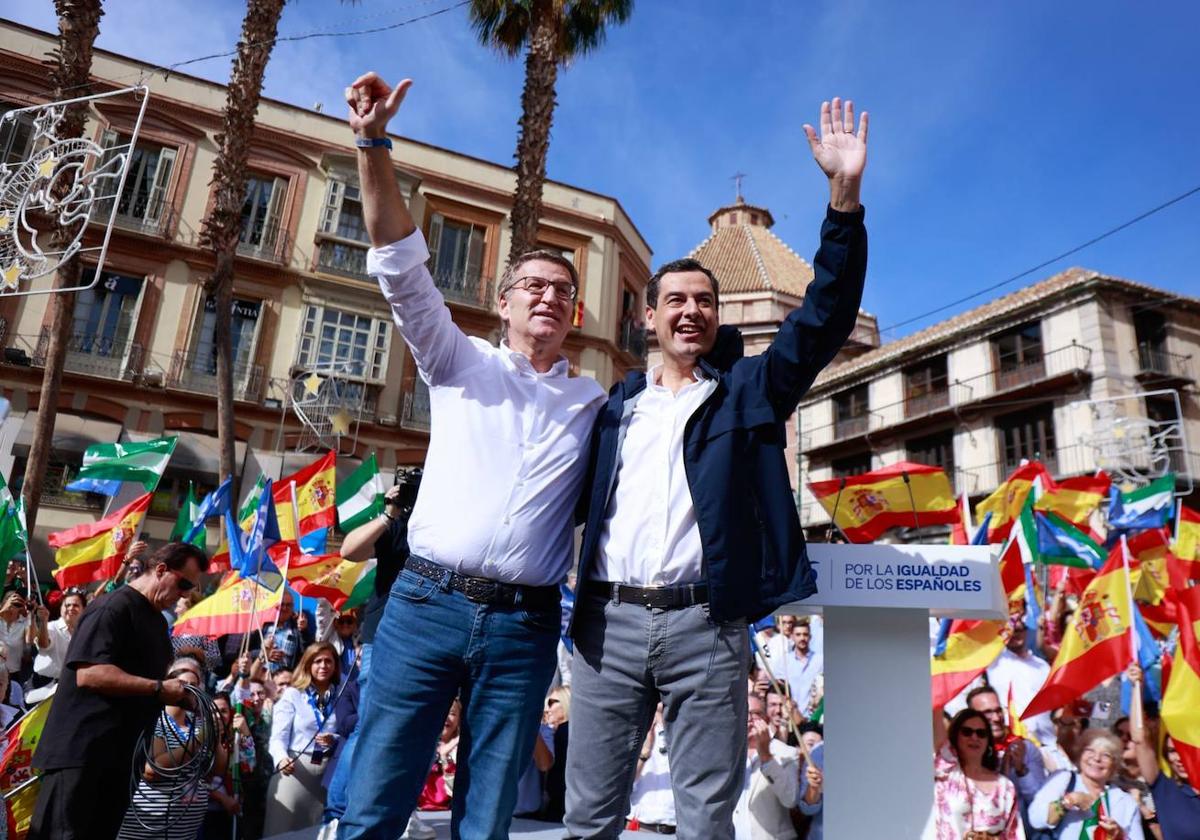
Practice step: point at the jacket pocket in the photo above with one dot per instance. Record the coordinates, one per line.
(739, 419)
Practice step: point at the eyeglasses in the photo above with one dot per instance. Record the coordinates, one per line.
(973, 732)
(537, 286)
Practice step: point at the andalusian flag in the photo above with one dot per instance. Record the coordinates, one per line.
(1181, 700)
(94, 550)
(106, 465)
(1146, 507)
(16, 767)
(215, 503)
(1074, 499)
(867, 505)
(1096, 644)
(1061, 543)
(345, 584)
(239, 606)
(1007, 501)
(183, 522)
(6, 496)
(966, 650)
(360, 497)
(12, 537)
(315, 507)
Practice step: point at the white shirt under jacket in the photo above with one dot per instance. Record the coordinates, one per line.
(650, 536)
(507, 446)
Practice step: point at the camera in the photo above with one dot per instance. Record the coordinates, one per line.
(408, 479)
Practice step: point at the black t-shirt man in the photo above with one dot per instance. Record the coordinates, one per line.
(391, 550)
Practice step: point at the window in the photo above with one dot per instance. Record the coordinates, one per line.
(243, 331)
(343, 215)
(934, 451)
(331, 338)
(925, 387)
(851, 465)
(631, 334)
(456, 248)
(850, 412)
(1028, 434)
(1150, 329)
(144, 197)
(104, 314)
(261, 213)
(1019, 355)
(567, 254)
(16, 136)
(171, 494)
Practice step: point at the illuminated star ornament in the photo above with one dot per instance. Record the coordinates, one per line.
(312, 384)
(339, 422)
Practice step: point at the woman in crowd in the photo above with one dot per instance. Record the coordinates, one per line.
(439, 785)
(157, 810)
(972, 800)
(223, 802)
(1068, 799)
(303, 724)
(10, 699)
(1069, 722)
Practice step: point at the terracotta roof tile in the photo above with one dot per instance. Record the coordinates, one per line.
(749, 258)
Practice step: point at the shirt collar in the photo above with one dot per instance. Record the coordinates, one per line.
(654, 375)
(520, 362)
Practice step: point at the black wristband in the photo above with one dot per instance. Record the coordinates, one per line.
(157, 689)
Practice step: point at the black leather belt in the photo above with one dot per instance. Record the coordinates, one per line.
(485, 590)
(653, 828)
(656, 597)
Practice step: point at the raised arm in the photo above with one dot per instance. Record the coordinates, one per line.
(372, 104)
(811, 335)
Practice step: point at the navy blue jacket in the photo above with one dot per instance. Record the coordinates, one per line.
(754, 554)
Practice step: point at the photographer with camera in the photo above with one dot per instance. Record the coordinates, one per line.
(386, 539)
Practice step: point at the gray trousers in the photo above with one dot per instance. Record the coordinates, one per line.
(626, 659)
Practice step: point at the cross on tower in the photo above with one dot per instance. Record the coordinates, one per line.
(737, 179)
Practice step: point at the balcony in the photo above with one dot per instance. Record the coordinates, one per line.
(633, 339)
(267, 241)
(139, 214)
(55, 492)
(927, 403)
(95, 355)
(460, 287)
(851, 427)
(197, 372)
(1156, 364)
(416, 413)
(342, 259)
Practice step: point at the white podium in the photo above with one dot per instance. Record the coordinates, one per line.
(877, 601)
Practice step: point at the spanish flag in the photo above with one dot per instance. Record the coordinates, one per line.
(238, 606)
(1097, 643)
(1074, 499)
(865, 506)
(1160, 617)
(94, 550)
(1149, 565)
(344, 583)
(315, 498)
(1008, 499)
(1186, 545)
(967, 650)
(1015, 725)
(1181, 701)
(16, 767)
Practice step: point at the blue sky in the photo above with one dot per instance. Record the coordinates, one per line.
(1001, 133)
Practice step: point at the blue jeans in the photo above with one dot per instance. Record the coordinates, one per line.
(335, 797)
(432, 645)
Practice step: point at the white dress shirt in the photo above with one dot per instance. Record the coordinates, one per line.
(50, 659)
(652, 801)
(507, 446)
(1026, 674)
(13, 638)
(801, 673)
(294, 725)
(650, 535)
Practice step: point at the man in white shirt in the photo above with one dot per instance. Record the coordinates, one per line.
(475, 612)
(803, 668)
(14, 625)
(691, 527)
(52, 639)
(1022, 670)
(772, 782)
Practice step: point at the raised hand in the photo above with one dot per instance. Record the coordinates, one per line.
(373, 103)
(840, 151)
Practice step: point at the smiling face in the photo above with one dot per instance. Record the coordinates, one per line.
(685, 318)
(1174, 760)
(72, 608)
(538, 317)
(988, 705)
(972, 737)
(1098, 761)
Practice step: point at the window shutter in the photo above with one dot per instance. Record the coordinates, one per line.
(270, 234)
(435, 237)
(333, 205)
(107, 186)
(162, 179)
(474, 265)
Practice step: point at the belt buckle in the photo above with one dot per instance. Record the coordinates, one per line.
(480, 590)
(649, 594)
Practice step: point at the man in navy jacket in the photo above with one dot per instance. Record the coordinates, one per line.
(691, 529)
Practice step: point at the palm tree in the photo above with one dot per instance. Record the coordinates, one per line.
(78, 26)
(222, 227)
(552, 32)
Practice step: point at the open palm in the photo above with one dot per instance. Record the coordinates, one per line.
(840, 151)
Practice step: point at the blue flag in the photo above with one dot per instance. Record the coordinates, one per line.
(214, 504)
(248, 552)
(1060, 541)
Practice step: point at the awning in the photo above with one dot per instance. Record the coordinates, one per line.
(72, 433)
(194, 453)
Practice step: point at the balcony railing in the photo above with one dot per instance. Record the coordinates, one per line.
(461, 287)
(919, 406)
(1153, 359)
(267, 241)
(851, 426)
(197, 372)
(95, 355)
(416, 413)
(55, 492)
(342, 259)
(137, 213)
(633, 339)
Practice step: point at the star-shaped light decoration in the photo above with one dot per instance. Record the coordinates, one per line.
(5, 221)
(46, 167)
(312, 384)
(339, 422)
(10, 276)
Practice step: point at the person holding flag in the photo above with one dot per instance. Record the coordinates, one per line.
(1086, 804)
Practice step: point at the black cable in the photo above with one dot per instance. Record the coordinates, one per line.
(1140, 217)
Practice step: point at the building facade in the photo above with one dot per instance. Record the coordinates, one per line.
(142, 362)
(1079, 371)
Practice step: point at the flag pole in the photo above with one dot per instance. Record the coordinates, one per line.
(833, 516)
(1133, 638)
(911, 500)
(775, 684)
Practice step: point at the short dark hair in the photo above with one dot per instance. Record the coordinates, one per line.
(991, 760)
(175, 555)
(675, 267)
(811, 726)
(979, 690)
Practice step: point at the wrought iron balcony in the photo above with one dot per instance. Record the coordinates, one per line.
(633, 339)
(920, 405)
(1156, 362)
(416, 413)
(851, 426)
(96, 355)
(55, 492)
(265, 240)
(140, 214)
(342, 259)
(197, 372)
(460, 287)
